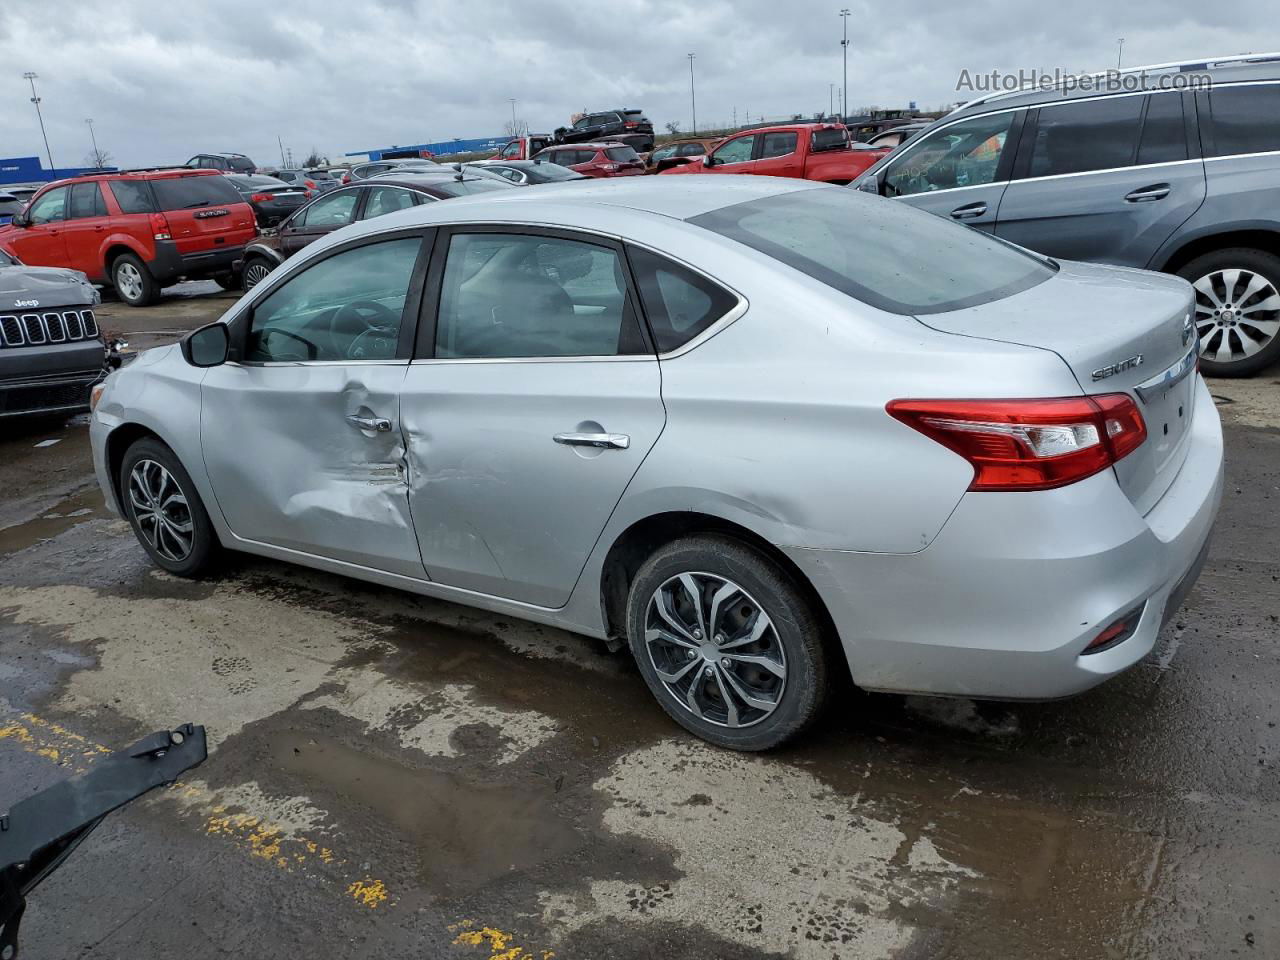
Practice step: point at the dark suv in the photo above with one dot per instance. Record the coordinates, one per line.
(631, 127)
(1174, 167)
(225, 162)
(51, 351)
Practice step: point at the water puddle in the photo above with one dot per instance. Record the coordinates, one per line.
(71, 512)
(467, 833)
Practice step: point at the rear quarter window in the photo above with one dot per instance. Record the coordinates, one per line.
(678, 303)
(133, 196)
(622, 154)
(187, 193)
(1243, 118)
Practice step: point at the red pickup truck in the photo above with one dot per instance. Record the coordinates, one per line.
(806, 151)
(523, 148)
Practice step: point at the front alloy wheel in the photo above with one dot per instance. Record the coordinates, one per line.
(715, 650)
(161, 509)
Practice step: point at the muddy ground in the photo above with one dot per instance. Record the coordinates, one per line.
(396, 777)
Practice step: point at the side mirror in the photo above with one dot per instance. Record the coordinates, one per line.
(208, 346)
(19, 219)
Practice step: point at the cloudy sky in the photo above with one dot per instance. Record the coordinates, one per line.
(163, 80)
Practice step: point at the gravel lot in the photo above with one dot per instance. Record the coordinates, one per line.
(397, 777)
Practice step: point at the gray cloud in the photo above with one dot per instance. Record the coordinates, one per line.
(163, 80)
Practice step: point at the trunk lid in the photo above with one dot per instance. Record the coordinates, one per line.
(204, 212)
(1119, 330)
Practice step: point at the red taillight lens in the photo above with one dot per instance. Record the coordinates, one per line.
(160, 227)
(260, 197)
(308, 193)
(609, 167)
(631, 126)
(1116, 634)
(1030, 444)
(346, 178)
(310, 184)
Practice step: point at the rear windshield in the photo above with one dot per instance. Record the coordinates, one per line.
(186, 193)
(10, 206)
(247, 182)
(461, 188)
(319, 175)
(240, 163)
(888, 255)
(622, 154)
(827, 140)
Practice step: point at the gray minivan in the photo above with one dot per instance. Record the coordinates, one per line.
(1154, 168)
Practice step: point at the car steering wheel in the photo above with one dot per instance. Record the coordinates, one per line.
(379, 322)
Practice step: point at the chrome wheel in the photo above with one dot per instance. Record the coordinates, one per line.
(129, 281)
(255, 273)
(1237, 314)
(715, 649)
(161, 510)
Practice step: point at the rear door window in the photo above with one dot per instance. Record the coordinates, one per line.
(1244, 118)
(828, 140)
(133, 196)
(519, 295)
(1164, 135)
(189, 193)
(86, 201)
(1080, 137)
(778, 145)
(678, 303)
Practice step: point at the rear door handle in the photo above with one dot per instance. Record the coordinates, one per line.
(1157, 191)
(608, 441)
(969, 211)
(376, 424)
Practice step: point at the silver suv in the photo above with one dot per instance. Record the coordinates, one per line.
(1144, 172)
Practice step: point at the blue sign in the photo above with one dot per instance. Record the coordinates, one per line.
(439, 148)
(28, 170)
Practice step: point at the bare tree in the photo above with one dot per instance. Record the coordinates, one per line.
(98, 159)
(515, 128)
(673, 126)
(315, 159)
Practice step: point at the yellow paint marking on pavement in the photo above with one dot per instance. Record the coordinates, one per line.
(260, 837)
(500, 944)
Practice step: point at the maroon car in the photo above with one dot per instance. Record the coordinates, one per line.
(595, 159)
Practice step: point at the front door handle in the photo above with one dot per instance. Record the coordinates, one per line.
(969, 211)
(607, 441)
(376, 424)
(1157, 191)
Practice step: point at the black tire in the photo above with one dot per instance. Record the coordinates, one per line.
(256, 269)
(133, 282)
(1235, 329)
(203, 549)
(796, 633)
(228, 281)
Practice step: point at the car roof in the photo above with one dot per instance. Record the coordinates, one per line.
(593, 145)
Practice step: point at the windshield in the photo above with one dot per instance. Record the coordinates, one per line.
(888, 255)
(183, 193)
(240, 163)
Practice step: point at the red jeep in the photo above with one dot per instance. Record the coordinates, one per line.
(806, 151)
(136, 230)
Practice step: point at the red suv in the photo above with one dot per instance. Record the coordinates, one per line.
(595, 159)
(136, 230)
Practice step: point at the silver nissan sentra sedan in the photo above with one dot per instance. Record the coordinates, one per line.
(761, 430)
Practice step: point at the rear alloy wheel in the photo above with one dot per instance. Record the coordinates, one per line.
(1237, 310)
(160, 502)
(255, 271)
(726, 642)
(133, 282)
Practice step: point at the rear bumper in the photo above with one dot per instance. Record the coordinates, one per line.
(170, 265)
(1005, 599)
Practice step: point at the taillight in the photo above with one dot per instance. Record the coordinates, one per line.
(609, 167)
(1030, 444)
(631, 126)
(1118, 632)
(310, 184)
(159, 227)
(308, 194)
(346, 178)
(260, 197)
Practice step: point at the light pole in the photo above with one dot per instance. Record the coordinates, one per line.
(831, 98)
(844, 99)
(31, 77)
(515, 129)
(1120, 52)
(693, 101)
(97, 157)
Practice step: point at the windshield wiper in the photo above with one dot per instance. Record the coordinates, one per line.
(39, 833)
(198, 203)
